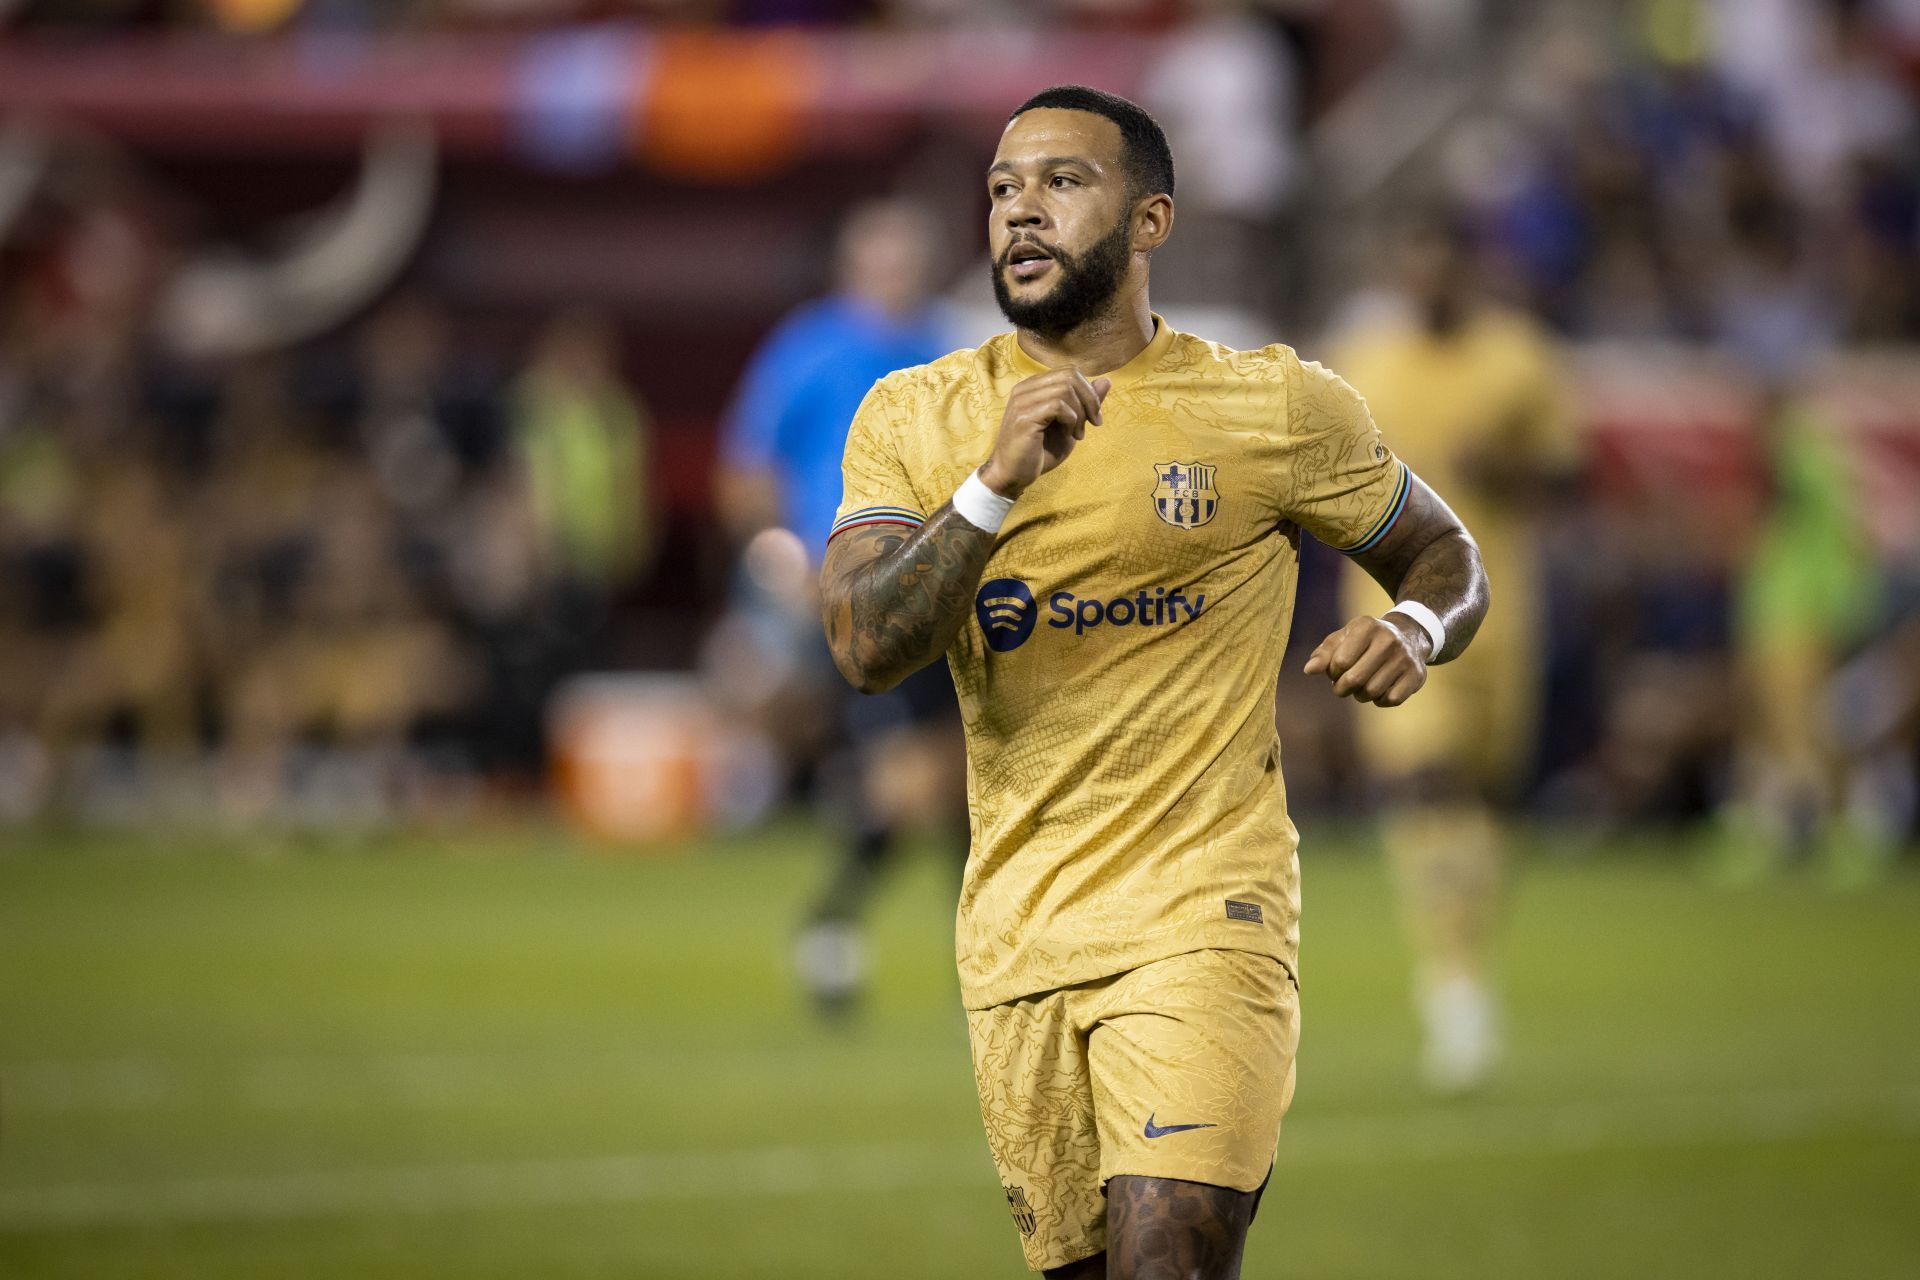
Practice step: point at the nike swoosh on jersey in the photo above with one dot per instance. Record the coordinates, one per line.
(1162, 1130)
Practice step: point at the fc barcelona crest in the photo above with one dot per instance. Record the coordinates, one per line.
(1184, 495)
(1023, 1215)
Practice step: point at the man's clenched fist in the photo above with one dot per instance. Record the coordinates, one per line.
(1377, 660)
(1045, 416)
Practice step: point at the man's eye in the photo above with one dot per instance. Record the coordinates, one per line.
(1001, 188)
(1060, 178)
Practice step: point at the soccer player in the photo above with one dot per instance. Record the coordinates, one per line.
(1111, 580)
(1808, 593)
(1473, 397)
(780, 467)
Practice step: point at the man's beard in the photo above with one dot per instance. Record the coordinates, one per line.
(1086, 285)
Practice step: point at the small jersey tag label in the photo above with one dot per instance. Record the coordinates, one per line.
(1244, 911)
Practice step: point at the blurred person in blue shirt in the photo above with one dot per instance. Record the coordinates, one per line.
(888, 763)
(787, 428)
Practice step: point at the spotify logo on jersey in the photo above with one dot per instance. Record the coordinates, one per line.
(1007, 613)
(1005, 609)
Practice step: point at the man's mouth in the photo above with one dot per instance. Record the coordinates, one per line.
(1028, 262)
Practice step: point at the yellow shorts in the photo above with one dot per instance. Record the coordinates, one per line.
(1181, 1068)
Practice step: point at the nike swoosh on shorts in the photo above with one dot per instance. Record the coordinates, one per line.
(1162, 1130)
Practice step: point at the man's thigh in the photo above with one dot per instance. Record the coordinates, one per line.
(1030, 1065)
(1166, 1229)
(1192, 1066)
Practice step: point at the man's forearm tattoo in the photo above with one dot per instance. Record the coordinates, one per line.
(1447, 577)
(901, 610)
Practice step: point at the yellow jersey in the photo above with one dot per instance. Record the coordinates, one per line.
(1491, 388)
(1117, 679)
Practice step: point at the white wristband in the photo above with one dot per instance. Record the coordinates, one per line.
(1429, 622)
(982, 507)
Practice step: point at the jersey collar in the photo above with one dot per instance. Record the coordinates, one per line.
(1025, 366)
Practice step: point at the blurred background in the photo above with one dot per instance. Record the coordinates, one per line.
(431, 839)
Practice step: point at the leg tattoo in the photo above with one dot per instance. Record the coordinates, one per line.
(1166, 1229)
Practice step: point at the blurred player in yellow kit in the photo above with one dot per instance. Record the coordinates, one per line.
(1472, 399)
(1095, 519)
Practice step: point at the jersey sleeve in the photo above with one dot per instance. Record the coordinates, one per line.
(874, 484)
(1347, 488)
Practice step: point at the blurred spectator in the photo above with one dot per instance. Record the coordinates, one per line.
(1224, 86)
(354, 667)
(582, 437)
(136, 656)
(41, 593)
(1772, 308)
(423, 423)
(1825, 80)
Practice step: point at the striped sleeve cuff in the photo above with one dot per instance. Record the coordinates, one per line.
(875, 515)
(1387, 518)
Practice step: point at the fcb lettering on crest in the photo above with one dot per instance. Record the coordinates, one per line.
(1183, 494)
(1022, 1211)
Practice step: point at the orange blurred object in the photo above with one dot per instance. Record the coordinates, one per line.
(253, 15)
(635, 757)
(725, 106)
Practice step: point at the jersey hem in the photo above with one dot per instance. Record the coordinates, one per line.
(976, 1000)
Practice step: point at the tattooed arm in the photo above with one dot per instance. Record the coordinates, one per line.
(1428, 556)
(893, 600)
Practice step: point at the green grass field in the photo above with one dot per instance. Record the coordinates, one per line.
(503, 1057)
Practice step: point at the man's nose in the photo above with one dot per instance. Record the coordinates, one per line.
(1025, 210)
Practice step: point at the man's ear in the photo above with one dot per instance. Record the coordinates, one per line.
(1152, 222)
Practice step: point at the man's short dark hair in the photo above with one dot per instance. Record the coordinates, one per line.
(1148, 159)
